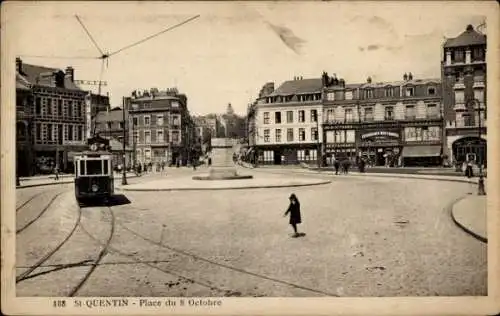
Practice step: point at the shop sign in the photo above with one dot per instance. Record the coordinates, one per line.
(380, 134)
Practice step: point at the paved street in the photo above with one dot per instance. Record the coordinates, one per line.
(365, 236)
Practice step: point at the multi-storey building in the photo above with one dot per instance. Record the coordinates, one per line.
(389, 123)
(287, 122)
(464, 96)
(159, 128)
(51, 117)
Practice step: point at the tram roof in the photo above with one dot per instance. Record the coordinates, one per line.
(94, 153)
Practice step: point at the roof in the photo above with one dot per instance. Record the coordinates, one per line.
(22, 83)
(300, 86)
(467, 38)
(31, 73)
(399, 83)
(114, 115)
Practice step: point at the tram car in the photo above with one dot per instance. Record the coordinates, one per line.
(94, 174)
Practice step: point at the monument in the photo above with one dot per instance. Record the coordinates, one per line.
(223, 167)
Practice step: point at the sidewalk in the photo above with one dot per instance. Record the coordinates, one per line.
(470, 215)
(38, 181)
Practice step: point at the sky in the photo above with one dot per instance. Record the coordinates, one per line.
(233, 48)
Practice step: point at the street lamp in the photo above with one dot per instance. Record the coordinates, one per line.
(480, 187)
(124, 176)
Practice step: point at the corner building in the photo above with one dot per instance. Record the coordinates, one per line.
(464, 98)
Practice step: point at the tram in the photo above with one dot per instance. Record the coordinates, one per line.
(94, 173)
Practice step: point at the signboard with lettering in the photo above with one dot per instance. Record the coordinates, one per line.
(380, 134)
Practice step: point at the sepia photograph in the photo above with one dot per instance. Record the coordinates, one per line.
(222, 157)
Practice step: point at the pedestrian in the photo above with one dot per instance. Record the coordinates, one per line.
(209, 161)
(336, 165)
(468, 169)
(294, 210)
(56, 172)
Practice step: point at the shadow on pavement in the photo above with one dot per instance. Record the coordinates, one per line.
(115, 200)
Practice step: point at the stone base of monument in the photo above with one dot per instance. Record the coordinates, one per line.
(223, 166)
(223, 174)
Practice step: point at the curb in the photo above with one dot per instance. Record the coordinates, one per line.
(227, 188)
(468, 231)
(23, 186)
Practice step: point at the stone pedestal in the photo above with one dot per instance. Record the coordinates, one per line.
(223, 167)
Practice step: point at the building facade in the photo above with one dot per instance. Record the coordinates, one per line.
(464, 96)
(50, 118)
(388, 123)
(159, 126)
(287, 123)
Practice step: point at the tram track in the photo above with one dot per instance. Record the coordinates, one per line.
(42, 212)
(25, 275)
(28, 200)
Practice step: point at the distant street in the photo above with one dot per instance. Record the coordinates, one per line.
(364, 237)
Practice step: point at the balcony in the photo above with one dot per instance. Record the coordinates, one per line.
(459, 107)
(479, 84)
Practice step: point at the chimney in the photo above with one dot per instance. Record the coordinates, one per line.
(405, 77)
(19, 65)
(469, 28)
(410, 76)
(70, 73)
(369, 79)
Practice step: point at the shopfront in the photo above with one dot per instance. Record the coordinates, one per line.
(380, 147)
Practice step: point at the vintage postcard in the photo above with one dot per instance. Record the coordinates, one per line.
(253, 157)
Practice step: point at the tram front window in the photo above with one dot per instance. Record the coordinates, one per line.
(94, 167)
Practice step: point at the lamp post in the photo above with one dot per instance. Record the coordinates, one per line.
(124, 175)
(480, 184)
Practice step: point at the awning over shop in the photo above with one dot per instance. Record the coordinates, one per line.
(421, 151)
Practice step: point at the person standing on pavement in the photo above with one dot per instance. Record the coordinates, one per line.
(56, 172)
(294, 210)
(336, 165)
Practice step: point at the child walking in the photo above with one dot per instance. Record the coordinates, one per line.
(294, 210)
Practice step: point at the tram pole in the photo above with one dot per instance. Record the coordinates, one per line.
(480, 183)
(124, 175)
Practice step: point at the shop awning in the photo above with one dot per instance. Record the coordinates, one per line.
(421, 151)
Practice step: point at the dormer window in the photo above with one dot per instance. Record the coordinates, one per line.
(369, 93)
(458, 56)
(410, 91)
(389, 92)
(431, 91)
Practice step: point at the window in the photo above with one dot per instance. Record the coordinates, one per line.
(147, 137)
(80, 132)
(339, 136)
(330, 115)
(389, 92)
(277, 117)
(59, 107)
(302, 134)
(348, 95)
(175, 136)
(159, 137)
(459, 97)
(147, 154)
(49, 106)
(478, 54)
(369, 114)
(108, 125)
(49, 131)
(314, 115)
(289, 134)
(135, 121)
(159, 119)
(302, 116)
(330, 96)
(38, 131)
(70, 109)
(135, 136)
(389, 113)
(176, 120)
(348, 115)
(432, 111)
(431, 91)
(458, 55)
(314, 134)
(350, 136)
(267, 136)
(175, 104)
(94, 167)
(38, 106)
(70, 132)
(289, 116)
(410, 112)
(369, 93)
(410, 92)
(266, 117)
(277, 135)
(147, 120)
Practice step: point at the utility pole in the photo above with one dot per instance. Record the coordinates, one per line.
(480, 184)
(124, 176)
